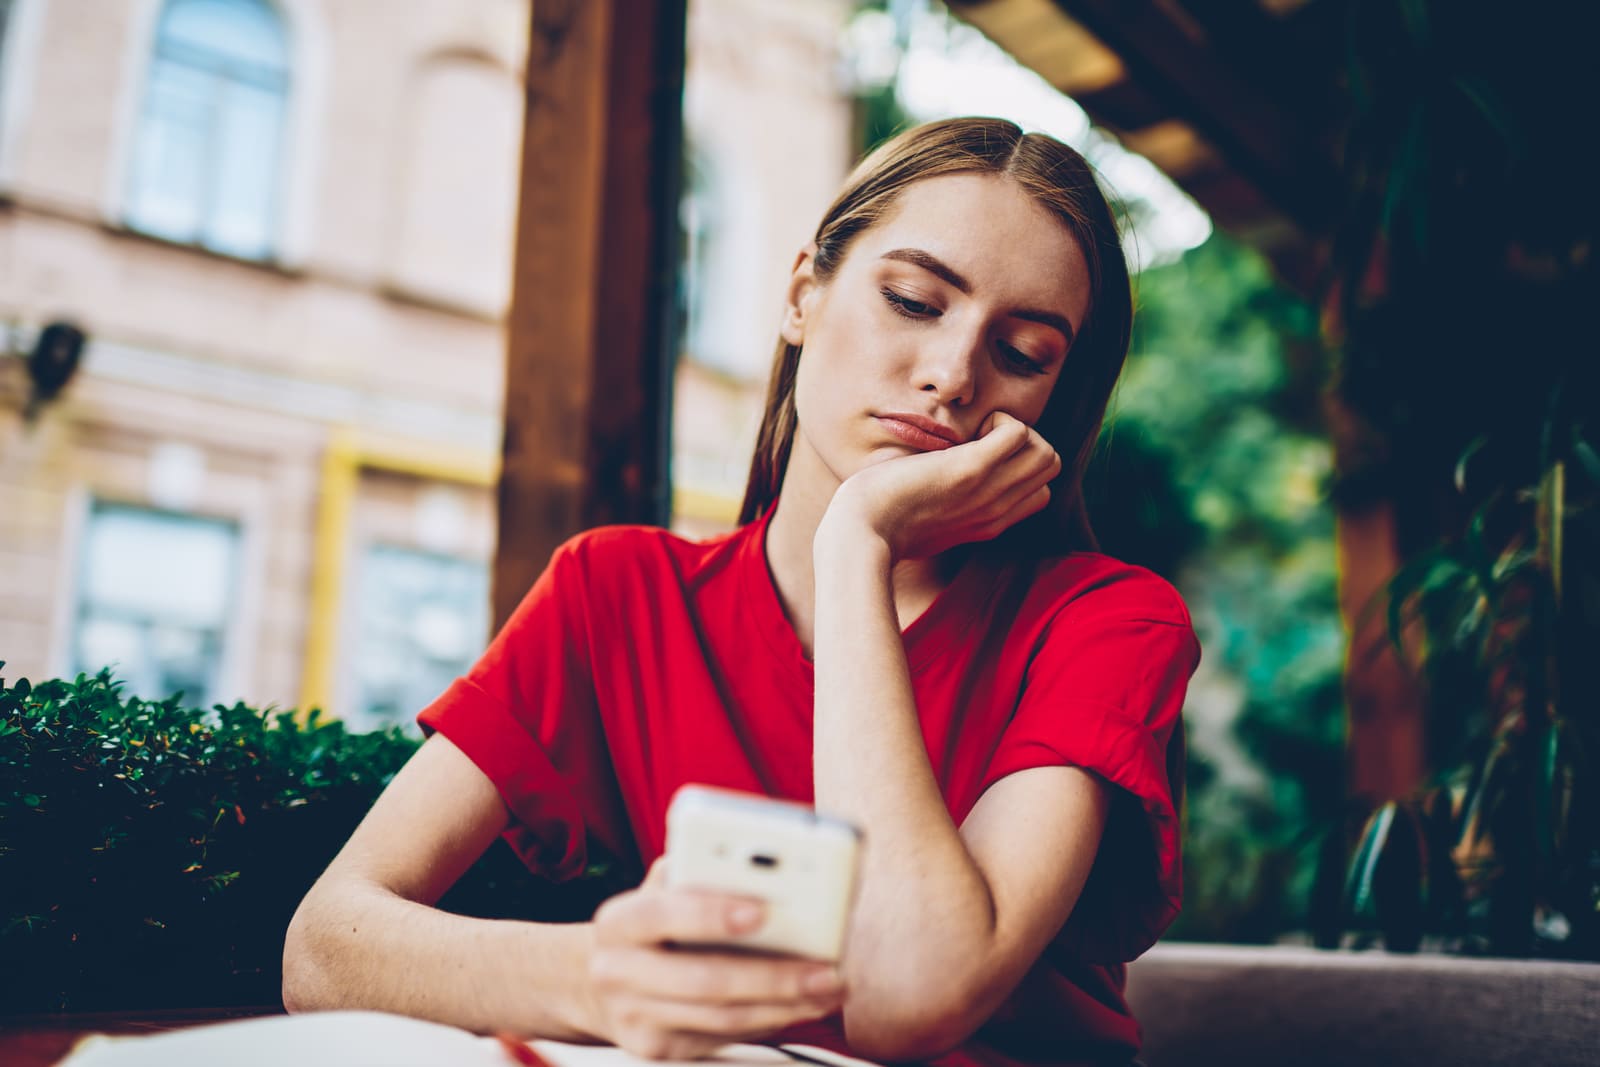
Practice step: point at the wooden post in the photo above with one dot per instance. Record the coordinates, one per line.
(591, 332)
(1385, 746)
(1385, 727)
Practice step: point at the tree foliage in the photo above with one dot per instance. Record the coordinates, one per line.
(1214, 470)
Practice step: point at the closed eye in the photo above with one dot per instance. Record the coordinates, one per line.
(1018, 360)
(916, 309)
(903, 305)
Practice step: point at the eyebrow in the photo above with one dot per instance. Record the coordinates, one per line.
(934, 265)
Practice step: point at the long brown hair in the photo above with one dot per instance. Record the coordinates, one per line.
(1061, 181)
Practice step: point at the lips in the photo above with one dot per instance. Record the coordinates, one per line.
(918, 431)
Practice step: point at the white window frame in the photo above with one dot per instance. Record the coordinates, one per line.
(300, 154)
(19, 57)
(239, 629)
(347, 685)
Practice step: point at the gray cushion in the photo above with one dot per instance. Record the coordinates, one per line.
(1241, 1006)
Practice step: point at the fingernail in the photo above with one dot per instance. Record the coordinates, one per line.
(744, 917)
(823, 982)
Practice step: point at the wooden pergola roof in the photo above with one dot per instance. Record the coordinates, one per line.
(1238, 101)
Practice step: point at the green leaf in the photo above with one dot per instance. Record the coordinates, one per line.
(1461, 464)
(1586, 456)
(1512, 563)
(1545, 806)
(1478, 555)
(1430, 577)
(1373, 836)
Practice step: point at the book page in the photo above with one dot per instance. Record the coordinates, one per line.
(363, 1038)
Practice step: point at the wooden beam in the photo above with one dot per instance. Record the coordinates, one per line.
(1125, 106)
(1039, 37)
(1257, 93)
(591, 334)
(1170, 59)
(1300, 54)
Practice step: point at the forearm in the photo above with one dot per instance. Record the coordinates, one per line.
(871, 766)
(359, 946)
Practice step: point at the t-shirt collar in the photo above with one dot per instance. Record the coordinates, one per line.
(944, 621)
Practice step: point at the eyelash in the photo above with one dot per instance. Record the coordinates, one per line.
(915, 309)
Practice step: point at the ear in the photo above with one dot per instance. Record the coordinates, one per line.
(802, 292)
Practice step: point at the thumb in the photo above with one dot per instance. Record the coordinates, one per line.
(1004, 432)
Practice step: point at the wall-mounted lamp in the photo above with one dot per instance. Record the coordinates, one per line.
(51, 363)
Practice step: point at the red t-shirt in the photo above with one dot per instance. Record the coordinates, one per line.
(641, 661)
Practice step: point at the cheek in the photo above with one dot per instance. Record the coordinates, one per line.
(1025, 400)
(817, 396)
(840, 371)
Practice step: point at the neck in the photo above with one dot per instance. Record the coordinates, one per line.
(808, 488)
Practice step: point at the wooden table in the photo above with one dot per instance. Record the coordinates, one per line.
(41, 1040)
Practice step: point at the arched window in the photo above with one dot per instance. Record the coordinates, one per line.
(205, 164)
(457, 212)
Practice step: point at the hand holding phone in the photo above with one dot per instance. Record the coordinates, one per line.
(800, 864)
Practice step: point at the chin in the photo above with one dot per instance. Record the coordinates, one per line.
(879, 454)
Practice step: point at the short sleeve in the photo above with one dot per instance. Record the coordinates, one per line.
(1104, 691)
(525, 714)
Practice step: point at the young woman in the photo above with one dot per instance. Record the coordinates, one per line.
(911, 630)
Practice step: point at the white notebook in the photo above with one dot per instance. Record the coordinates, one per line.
(375, 1039)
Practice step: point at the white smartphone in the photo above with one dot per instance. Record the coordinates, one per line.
(800, 864)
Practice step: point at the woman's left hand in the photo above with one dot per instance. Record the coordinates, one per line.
(923, 504)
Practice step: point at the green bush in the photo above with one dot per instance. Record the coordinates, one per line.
(152, 854)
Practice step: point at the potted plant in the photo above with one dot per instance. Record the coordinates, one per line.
(1462, 281)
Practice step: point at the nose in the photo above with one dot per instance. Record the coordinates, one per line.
(949, 371)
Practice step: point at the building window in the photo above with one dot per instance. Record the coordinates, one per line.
(155, 596)
(457, 186)
(718, 296)
(205, 165)
(424, 619)
(697, 214)
(5, 23)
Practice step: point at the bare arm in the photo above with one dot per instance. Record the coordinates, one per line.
(367, 935)
(948, 919)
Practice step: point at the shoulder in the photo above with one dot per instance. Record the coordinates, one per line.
(608, 555)
(1101, 632)
(1091, 585)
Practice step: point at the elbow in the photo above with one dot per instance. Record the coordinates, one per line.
(912, 1011)
(304, 988)
(293, 992)
(909, 1031)
(904, 1040)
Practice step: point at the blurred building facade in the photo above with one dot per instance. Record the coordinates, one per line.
(768, 138)
(285, 226)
